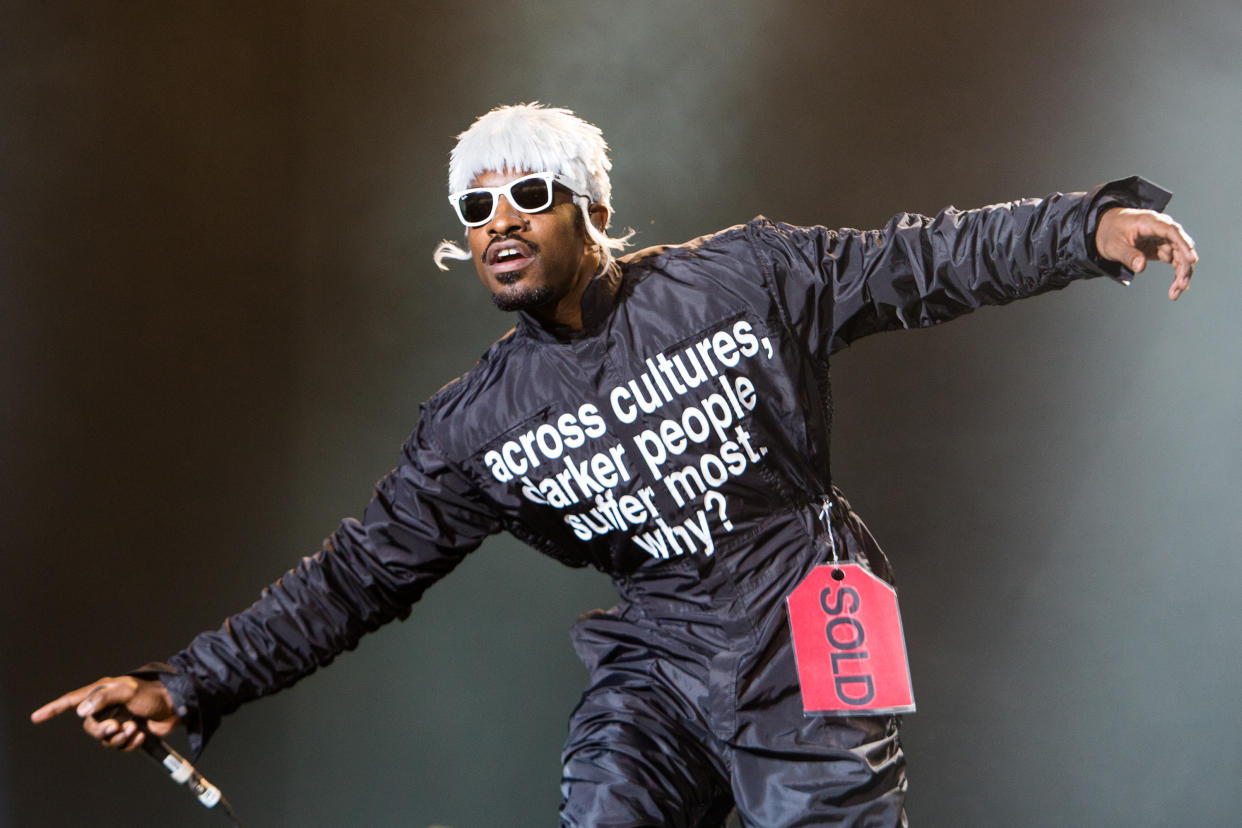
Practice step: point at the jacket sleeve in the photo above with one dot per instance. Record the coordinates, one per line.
(421, 522)
(918, 271)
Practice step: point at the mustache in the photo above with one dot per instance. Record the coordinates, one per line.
(508, 237)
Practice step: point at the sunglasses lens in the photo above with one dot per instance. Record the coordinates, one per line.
(475, 207)
(531, 194)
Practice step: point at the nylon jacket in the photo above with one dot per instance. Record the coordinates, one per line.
(679, 442)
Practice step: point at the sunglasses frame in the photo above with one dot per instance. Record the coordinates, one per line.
(549, 178)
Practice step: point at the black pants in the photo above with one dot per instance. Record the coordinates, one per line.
(688, 715)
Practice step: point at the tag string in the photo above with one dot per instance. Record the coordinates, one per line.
(825, 514)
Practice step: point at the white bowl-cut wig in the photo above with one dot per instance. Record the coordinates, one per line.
(536, 138)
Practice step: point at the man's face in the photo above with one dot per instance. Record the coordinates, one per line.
(538, 262)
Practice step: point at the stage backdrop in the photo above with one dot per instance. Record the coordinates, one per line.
(218, 316)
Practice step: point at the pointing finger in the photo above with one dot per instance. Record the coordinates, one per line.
(1174, 235)
(55, 708)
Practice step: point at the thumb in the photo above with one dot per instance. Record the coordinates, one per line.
(1137, 262)
(102, 694)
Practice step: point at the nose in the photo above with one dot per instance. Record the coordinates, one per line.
(507, 218)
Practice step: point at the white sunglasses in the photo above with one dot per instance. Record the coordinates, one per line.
(530, 194)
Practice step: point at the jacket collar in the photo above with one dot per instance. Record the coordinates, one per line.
(598, 300)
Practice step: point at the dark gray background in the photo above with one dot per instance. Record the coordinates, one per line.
(218, 315)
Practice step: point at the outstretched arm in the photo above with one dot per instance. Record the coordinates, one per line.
(1133, 237)
(919, 271)
(423, 519)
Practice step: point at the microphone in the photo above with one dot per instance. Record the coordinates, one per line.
(178, 767)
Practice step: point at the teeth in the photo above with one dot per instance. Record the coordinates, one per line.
(507, 254)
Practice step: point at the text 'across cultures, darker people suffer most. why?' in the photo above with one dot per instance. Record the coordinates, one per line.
(583, 487)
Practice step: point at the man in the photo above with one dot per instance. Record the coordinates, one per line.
(663, 417)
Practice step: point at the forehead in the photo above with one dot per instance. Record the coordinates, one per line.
(498, 178)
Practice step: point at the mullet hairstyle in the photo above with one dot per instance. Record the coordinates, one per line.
(536, 138)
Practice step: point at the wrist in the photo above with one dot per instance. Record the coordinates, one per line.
(1103, 230)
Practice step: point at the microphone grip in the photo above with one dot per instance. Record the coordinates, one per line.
(181, 771)
(177, 766)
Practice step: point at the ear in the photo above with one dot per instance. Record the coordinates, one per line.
(599, 215)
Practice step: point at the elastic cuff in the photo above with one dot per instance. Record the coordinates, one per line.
(1134, 191)
(184, 699)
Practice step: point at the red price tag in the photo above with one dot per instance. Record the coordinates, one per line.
(848, 643)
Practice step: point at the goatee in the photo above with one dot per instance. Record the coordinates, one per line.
(524, 299)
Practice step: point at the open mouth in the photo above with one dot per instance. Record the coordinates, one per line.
(508, 257)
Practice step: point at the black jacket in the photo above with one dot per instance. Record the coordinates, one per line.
(680, 438)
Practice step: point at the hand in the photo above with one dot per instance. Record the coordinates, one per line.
(146, 699)
(1132, 237)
